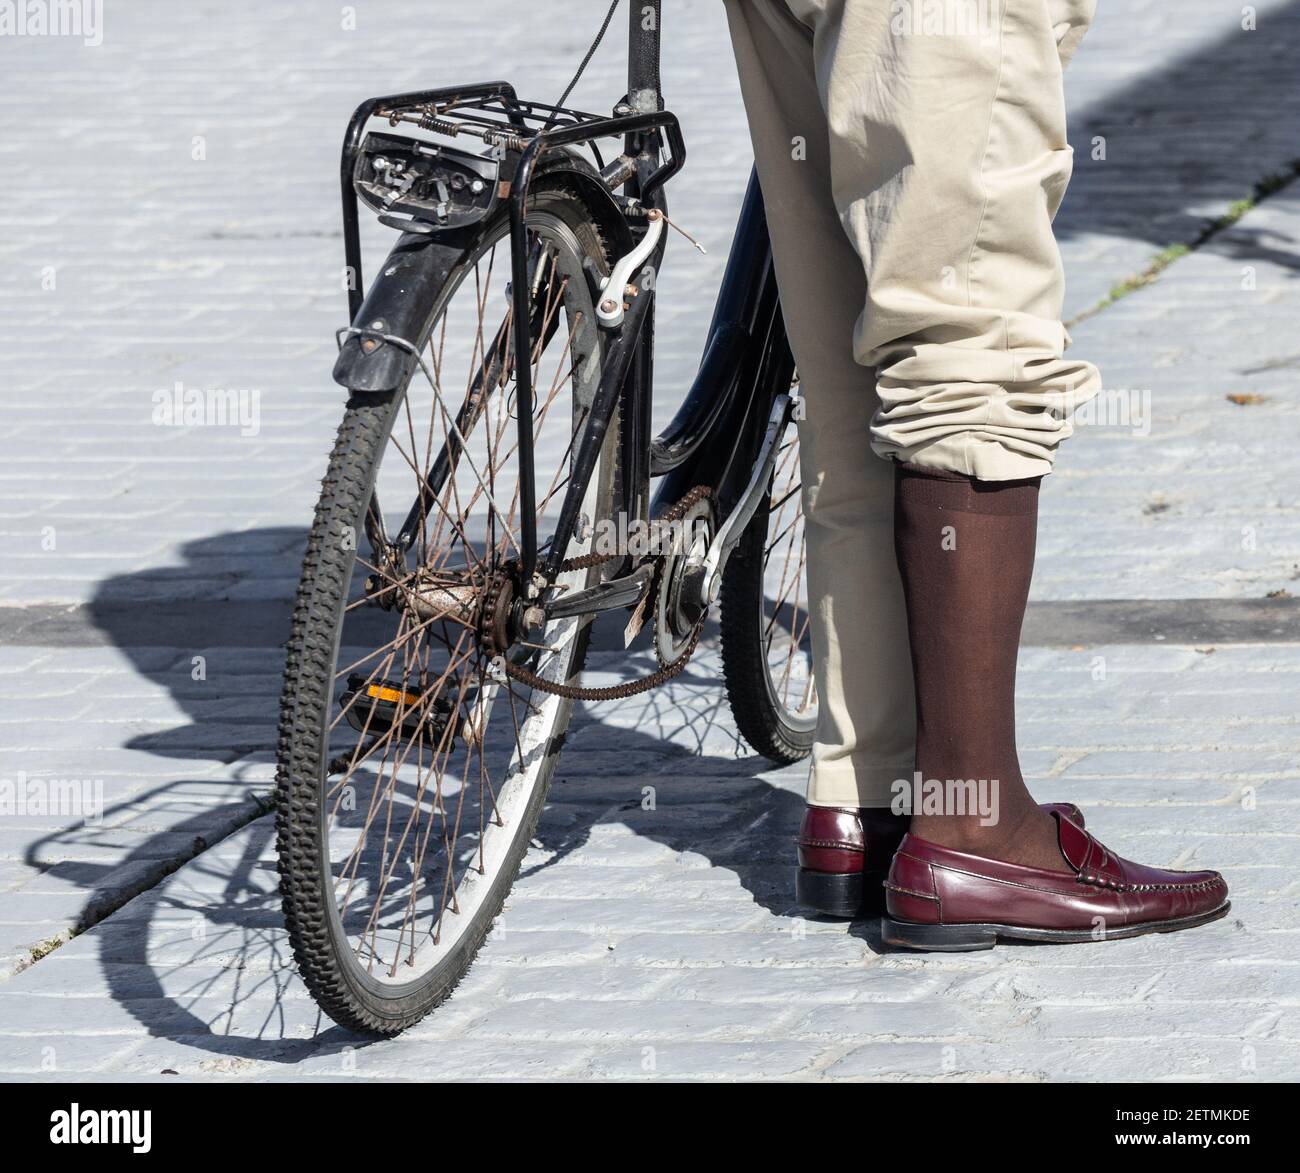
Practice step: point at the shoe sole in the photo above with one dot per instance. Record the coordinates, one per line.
(965, 938)
(841, 895)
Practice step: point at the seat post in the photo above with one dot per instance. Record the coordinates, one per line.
(643, 89)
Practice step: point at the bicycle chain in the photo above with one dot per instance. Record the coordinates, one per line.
(614, 692)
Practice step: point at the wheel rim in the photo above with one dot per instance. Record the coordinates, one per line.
(435, 762)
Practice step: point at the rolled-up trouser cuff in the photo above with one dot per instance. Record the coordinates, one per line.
(990, 431)
(985, 460)
(844, 782)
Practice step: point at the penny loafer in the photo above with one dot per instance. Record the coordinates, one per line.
(845, 852)
(948, 900)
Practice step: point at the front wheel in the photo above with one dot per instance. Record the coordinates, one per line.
(766, 632)
(412, 767)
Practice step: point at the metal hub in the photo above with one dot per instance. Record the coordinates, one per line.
(485, 605)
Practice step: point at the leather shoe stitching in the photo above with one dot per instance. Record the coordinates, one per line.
(1102, 882)
(841, 843)
(911, 892)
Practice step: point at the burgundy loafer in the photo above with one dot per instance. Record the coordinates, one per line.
(844, 853)
(948, 900)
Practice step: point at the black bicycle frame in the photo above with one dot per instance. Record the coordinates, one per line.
(618, 357)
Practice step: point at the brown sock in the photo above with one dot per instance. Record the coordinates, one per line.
(965, 551)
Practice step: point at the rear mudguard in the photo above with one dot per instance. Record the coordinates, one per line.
(398, 303)
(402, 299)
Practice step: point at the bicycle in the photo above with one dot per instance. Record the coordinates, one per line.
(461, 547)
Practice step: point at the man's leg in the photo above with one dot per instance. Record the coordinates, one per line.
(946, 158)
(866, 724)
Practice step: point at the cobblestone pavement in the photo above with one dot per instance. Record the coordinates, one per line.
(172, 218)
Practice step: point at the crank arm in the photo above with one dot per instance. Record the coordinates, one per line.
(731, 530)
(606, 596)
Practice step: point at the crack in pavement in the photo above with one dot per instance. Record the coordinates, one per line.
(1263, 189)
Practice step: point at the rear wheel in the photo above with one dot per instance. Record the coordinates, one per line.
(412, 769)
(766, 634)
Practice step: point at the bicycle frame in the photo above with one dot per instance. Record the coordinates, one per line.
(712, 438)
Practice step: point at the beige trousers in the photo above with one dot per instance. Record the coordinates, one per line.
(912, 155)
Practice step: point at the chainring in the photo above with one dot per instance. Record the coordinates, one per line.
(674, 626)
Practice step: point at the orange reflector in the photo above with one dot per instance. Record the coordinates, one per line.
(381, 693)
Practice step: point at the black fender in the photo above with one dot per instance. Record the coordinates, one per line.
(398, 303)
(403, 295)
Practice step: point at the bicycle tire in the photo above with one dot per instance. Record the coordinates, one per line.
(762, 717)
(306, 884)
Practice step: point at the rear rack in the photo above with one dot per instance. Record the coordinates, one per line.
(518, 133)
(498, 120)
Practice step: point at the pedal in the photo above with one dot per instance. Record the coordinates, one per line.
(376, 706)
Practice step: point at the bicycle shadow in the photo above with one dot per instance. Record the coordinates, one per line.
(200, 955)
